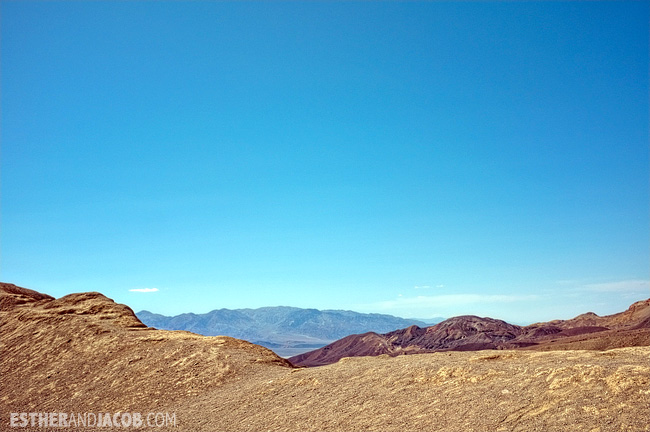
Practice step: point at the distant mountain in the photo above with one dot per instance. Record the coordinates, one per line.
(470, 333)
(285, 330)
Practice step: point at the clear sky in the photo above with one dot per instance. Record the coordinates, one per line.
(414, 158)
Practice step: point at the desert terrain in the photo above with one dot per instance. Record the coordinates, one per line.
(86, 353)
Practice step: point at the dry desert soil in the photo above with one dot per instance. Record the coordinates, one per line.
(83, 353)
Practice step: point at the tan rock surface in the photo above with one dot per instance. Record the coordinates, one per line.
(445, 391)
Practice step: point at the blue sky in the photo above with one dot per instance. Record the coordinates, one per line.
(415, 158)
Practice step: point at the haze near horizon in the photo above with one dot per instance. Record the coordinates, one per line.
(414, 159)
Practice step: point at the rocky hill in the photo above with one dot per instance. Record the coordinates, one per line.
(471, 333)
(286, 330)
(84, 353)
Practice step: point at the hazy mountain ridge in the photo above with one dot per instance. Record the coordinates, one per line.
(286, 330)
(471, 333)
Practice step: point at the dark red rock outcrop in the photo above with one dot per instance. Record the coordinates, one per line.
(459, 333)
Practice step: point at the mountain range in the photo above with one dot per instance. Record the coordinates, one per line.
(286, 330)
(471, 333)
